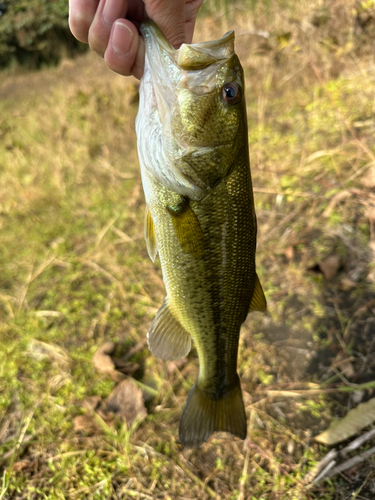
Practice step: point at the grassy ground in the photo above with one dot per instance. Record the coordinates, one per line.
(74, 271)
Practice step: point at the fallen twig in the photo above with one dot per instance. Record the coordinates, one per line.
(327, 467)
(321, 465)
(358, 459)
(359, 441)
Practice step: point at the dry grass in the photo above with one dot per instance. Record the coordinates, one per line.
(74, 272)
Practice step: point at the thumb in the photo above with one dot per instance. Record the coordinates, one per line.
(169, 15)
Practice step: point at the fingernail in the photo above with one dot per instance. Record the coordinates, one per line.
(122, 38)
(111, 11)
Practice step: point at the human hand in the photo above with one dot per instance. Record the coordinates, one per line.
(111, 27)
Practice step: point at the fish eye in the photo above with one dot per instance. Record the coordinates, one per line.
(231, 93)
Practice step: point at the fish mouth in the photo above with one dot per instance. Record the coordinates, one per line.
(189, 56)
(192, 66)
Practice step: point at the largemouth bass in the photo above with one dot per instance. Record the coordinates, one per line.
(200, 219)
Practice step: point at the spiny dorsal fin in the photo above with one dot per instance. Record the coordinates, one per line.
(187, 227)
(167, 339)
(203, 415)
(152, 246)
(258, 301)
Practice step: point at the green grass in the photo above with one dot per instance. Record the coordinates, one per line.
(74, 273)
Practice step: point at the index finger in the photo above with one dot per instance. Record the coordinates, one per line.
(169, 15)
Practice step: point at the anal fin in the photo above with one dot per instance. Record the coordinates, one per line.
(152, 246)
(258, 301)
(167, 339)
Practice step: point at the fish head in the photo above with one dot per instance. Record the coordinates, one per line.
(210, 100)
(196, 96)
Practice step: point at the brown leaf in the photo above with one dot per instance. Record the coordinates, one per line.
(368, 180)
(96, 404)
(289, 252)
(22, 464)
(126, 401)
(90, 423)
(86, 423)
(370, 213)
(104, 363)
(330, 266)
(91, 402)
(347, 369)
(102, 359)
(126, 367)
(346, 284)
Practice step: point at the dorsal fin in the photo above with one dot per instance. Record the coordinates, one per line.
(167, 339)
(258, 301)
(151, 243)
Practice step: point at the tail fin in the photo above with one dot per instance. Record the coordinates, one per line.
(202, 416)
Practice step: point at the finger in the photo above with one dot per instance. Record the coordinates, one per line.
(107, 13)
(81, 15)
(192, 8)
(138, 66)
(169, 15)
(123, 47)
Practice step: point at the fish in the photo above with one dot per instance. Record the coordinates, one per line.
(192, 141)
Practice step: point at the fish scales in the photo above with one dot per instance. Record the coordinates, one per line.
(200, 219)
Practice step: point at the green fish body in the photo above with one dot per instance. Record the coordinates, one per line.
(200, 219)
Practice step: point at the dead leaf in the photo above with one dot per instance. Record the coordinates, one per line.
(368, 180)
(22, 464)
(347, 369)
(370, 213)
(102, 359)
(99, 406)
(89, 422)
(86, 423)
(126, 401)
(346, 284)
(91, 402)
(330, 266)
(353, 422)
(104, 363)
(289, 252)
(125, 367)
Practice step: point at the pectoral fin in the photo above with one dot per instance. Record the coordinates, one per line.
(258, 301)
(152, 247)
(167, 339)
(187, 227)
